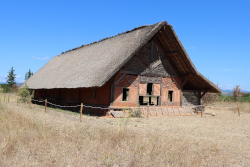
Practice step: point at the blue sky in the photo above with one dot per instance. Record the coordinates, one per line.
(215, 34)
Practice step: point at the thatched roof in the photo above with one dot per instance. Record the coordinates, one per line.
(94, 64)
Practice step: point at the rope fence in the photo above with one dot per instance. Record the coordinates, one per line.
(143, 110)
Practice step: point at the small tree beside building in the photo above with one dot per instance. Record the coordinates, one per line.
(11, 82)
(28, 75)
(11, 78)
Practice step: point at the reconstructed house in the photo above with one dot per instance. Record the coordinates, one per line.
(147, 65)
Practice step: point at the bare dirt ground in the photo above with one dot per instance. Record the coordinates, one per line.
(220, 140)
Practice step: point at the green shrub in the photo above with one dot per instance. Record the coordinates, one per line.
(245, 99)
(6, 88)
(246, 95)
(135, 113)
(24, 93)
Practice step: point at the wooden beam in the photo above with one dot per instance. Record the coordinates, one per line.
(118, 80)
(151, 56)
(184, 82)
(178, 46)
(112, 92)
(196, 84)
(199, 97)
(203, 94)
(166, 41)
(170, 38)
(167, 57)
(156, 64)
(138, 89)
(172, 51)
(147, 74)
(196, 90)
(172, 54)
(187, 75)
(130, 72)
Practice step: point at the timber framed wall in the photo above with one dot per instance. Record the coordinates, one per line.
(99, 96)
(148, 66)
(137, 86)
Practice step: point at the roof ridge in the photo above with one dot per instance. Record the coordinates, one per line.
(103, 39)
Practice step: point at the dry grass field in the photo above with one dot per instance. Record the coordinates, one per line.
(31, 137)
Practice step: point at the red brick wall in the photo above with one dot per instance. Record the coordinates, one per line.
(169, 84)
(118, 94)
(157, 89)
(143, 89)
(130, 82)
(133, 95)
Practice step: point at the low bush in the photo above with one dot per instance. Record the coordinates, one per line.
(135, 114)
(24, 93)
(6, 88)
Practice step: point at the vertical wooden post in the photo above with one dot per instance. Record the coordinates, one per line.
(148, 112)
(238, 110)
(201, 110)
(17, 101)
(45, 104)
(199, 97)
(81, 112)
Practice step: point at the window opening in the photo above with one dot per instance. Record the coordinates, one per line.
(170, 96)
(151, 100)
(149, 88)
(125, 94)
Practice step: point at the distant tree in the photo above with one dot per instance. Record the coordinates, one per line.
(11, 77)
(28, 74)
(236, 92)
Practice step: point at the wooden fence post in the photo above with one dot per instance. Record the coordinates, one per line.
(45, 104)
(81, 112)
(201, 111)
(238, 110)
(148, 112)
(17, 101)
